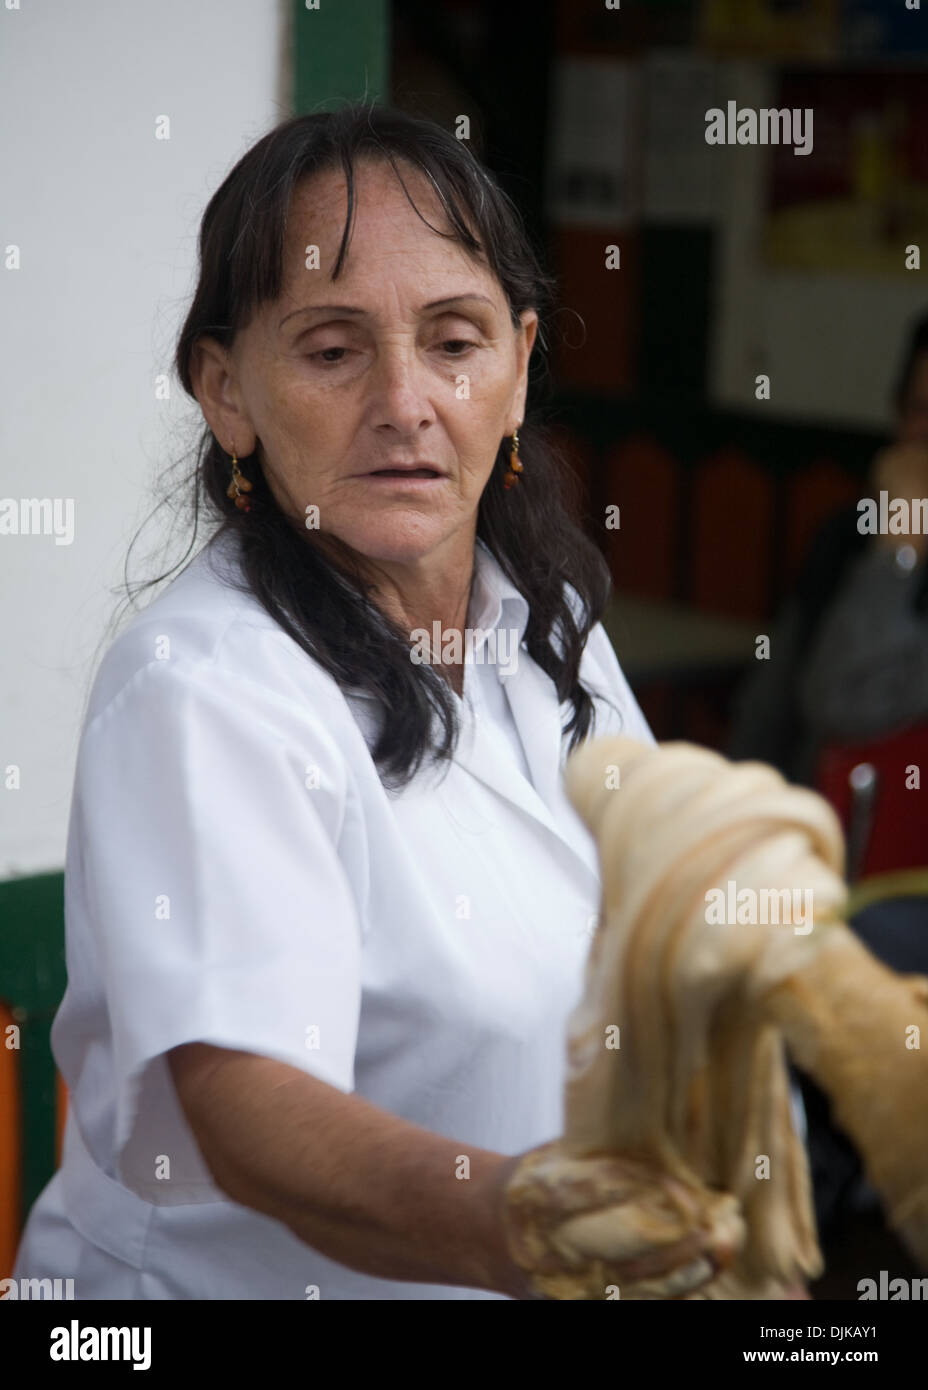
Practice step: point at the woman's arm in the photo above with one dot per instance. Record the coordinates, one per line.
(382, 1196)
(358, 1184)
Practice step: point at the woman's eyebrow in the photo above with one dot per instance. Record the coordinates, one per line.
(354, 309)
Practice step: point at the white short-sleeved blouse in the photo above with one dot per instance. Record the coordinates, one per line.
(237, 874)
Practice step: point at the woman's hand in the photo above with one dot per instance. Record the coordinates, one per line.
(609, 1227)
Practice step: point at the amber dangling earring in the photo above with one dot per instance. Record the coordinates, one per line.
(515, 467)
(239, 487)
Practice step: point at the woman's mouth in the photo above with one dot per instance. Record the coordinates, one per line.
(405, 479)
(405, 473)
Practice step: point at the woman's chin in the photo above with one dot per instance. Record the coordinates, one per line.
(396, 543)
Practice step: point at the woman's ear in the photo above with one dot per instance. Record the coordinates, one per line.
(214, 385)
(525, 341)
(530, 328)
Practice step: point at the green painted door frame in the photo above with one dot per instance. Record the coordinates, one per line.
(341, 51)
(32, 983)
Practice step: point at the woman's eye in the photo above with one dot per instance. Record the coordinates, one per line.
(334, 356)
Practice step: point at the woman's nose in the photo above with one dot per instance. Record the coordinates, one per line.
(400, 390)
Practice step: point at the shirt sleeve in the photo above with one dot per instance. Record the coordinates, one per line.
(209, 820)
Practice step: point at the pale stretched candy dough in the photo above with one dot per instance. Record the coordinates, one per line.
(698, 1085)
(679, 1152)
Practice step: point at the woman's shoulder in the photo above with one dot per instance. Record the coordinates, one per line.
(206, 628)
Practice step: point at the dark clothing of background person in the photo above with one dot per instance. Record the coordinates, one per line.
(848, 655)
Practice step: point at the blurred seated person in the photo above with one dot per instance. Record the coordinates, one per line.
(849, 650)
(848, 663)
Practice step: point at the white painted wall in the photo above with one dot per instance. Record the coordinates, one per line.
(105, 217)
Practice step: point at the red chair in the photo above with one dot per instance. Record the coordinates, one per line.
(875, 787)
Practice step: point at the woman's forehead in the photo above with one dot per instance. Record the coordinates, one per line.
(375, 183)
(388, 238)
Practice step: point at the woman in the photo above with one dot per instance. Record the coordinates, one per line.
(327, 904)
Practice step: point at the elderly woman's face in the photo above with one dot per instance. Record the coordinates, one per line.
(410, 357)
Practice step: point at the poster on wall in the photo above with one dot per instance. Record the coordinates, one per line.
(860, 196)
(681, 171)
(594, 197)
(594, 180)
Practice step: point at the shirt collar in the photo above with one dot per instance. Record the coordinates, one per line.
(495, 602)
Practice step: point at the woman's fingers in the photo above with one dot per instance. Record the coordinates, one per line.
(598, 1280)
(587, 1226)
(646, 1251)
(645, 1232)
(677, 1283)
